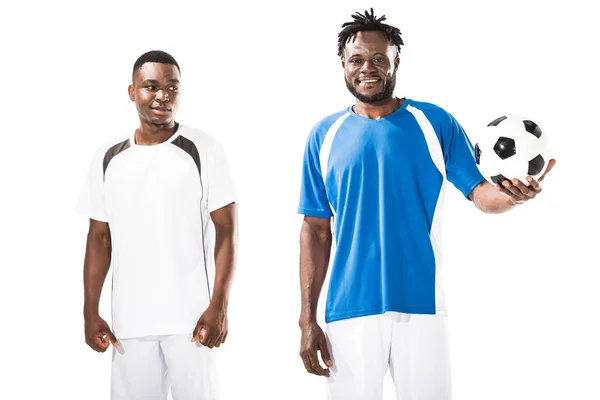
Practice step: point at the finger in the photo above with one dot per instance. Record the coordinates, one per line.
(551, 164)
(198, 334)
(214, 337)
(219, 340)
(512, 191)
(195, 334)
(325, 355)
(112, 338)
(101, 343)
(316, 365)
(225, 336)
(307, 365)
(205, 336)
(534, 184)
(524, 190)
(502, 188)
(94, 345)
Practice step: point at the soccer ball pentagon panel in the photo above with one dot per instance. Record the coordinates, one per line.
(512, 147)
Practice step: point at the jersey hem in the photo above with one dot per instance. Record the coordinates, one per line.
(158, 332)
(314, 213)
(221, 204)
(91, 215)
(381, 310)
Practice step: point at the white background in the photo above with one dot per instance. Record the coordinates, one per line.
(522, 287)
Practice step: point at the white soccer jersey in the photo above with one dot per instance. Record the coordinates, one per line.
(156, 200)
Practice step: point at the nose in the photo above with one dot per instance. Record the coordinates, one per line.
(368, 66)
(162, 95)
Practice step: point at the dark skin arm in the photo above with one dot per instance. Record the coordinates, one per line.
(95, 268)
(211, 329)
(315, 248)
(496, 199)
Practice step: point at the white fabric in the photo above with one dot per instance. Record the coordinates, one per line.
(157, 208)
(437, 156)
(145, 369)
(414, 346)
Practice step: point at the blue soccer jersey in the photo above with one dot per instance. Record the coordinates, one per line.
(383, 183)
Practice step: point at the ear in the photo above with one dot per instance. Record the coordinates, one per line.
(343, 64)
(131, 91)
(396, 61)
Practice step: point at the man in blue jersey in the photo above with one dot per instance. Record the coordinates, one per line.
(379, 168)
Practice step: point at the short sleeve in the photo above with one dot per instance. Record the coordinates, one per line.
(313, 196)
(91, 199)
(221, 189)
(459, 157)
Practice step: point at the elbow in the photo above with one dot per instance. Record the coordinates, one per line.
(101, 239)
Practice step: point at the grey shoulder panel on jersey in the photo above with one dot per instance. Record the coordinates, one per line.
(189, 147)
(112, 152)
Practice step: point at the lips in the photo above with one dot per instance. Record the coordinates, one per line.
(369, 80)
(160, 111)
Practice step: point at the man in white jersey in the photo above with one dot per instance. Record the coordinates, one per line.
(162, 211)
(379, 169)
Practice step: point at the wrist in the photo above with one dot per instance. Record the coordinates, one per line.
(220, 300)
(90, 312)
(307, 320)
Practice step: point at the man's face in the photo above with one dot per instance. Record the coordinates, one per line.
(370, 63)
(155, 91)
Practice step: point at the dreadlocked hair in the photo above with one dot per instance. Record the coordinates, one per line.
(368, 22)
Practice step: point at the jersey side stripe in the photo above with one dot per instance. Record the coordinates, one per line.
(189, 147)
(326, 146)
(433, 143)
(437, 155)
(112, 152)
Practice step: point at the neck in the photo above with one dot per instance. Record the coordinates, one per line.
(149, 134)
(379, 109)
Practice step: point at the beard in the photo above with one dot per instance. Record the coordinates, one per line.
(384, 94)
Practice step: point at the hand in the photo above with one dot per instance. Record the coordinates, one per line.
(211, 329)
(519, 192)
(98, 334)
(313, 340)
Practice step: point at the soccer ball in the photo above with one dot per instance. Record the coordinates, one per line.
(512, 147)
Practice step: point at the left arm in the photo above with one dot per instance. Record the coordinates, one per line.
(211, 329)
(463, 172)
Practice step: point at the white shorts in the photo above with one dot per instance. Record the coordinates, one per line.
(414, 346)
(145, 368)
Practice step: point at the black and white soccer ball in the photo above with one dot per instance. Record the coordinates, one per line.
(512, 147)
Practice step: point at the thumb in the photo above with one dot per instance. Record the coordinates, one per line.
(199, 332)
(325, 355)
(111, 337)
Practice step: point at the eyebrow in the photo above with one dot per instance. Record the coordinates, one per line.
(154, 81)
(374, 55)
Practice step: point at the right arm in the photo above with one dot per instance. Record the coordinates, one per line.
(95, 268)
(315, 247)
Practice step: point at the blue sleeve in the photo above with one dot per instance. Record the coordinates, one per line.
(459, 157)
(313, 197)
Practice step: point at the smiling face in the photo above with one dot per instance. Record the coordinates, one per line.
(155, 91)
(370, 64)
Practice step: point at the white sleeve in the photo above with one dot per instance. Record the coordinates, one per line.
(221, 189)
(91, 199)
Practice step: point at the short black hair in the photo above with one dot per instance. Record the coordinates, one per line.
(368, 22)
(155, 56)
